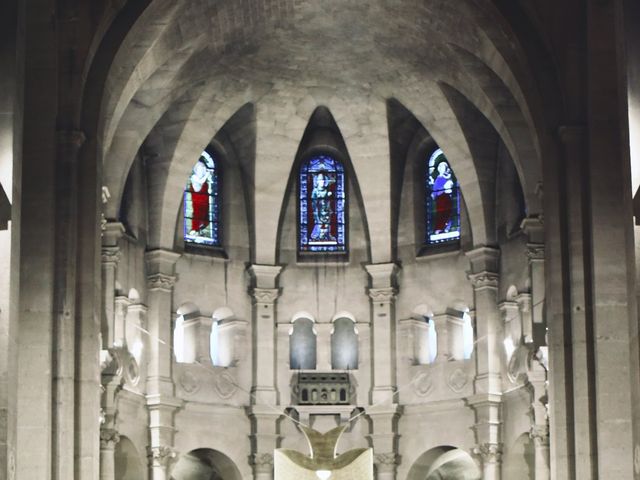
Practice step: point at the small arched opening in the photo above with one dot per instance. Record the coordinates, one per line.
(205, 464)
(444, 463)
(128, 464)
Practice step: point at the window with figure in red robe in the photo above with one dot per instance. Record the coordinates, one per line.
(442, 201)
(202, 203)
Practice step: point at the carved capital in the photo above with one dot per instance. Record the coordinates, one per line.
(109, 437)
(263, 462)
(483, 280)
(385, 461)
(160, 281)
(489, 452)
(111, 256)
(265, 295)
(161, 456)
(535, 251)
(382, 295)
(540, 435)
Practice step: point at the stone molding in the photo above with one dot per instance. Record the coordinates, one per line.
(109, 437)
(383, 295)
(262, 462)
(265, 295)
(540, 435)
(489, 452)
(162, 282)
(161, 456)
(483, 280)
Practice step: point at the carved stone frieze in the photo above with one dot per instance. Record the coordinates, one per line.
(382, 295)
(483, 280)
(160, 281)
(161, 456)
(265, 295)
(489, 452)
(109, 437)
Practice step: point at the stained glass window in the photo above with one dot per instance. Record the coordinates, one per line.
(202, 203)
(322, 205)
(442, 202)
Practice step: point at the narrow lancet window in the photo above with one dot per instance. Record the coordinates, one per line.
(442, 201)
(322, 205)
(202, 203)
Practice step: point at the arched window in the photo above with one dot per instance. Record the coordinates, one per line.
(322, 205)
(344, 345)
(302, 345)
(178, 340)
(432, 339)
(467, 335)
(442, 201)
(202, 203)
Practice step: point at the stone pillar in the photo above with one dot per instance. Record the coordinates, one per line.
(487, 400)
(323, 346)
(444, 347)
(382, 294)
(122, 304)
(231, 342)
(539, 433)
(534, 229)
(109, 438)
(135, 324)
(110, 257)
(383, 439)
(161, 402)
(414, 347)
(265, 395)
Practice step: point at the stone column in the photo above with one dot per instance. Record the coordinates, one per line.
(454, 337)
(161, 402)
(231, 342)
(197, 334)
(487, 400)
(110, 257)
(442, 327)
(122, 304)
(109, 438)
(534, 229)
(539, 433)
(383, 439)
(265, 396)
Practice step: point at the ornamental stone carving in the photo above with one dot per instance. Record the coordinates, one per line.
(189, 383)
(382, 295)
(265, 295)
(540, 435)
(161, 456)
(263, 462)
(160, 281)
(109, 437)
(423, 384)
(484, 280)
(489, 452)
(225, 385)
(457, 380)
(388, 458)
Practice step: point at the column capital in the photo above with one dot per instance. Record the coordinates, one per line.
(385, 462)
(264, 276)
(162, 282)
(533, 227)
(382, 274)
(484, 259)
(265, 295)
(109, 437)
(489, 452)
(161, 456)
(110, 256)
(535, 251)
(262, 462)
(382, 295)
(483, 280)
(540, 435)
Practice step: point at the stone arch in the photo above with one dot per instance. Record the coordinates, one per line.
(444, 463)
(205, 464)
(129, 465)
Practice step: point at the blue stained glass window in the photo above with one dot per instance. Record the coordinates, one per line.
(322, 205)
(202, 203)
(442, 202)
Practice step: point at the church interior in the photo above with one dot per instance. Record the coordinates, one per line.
(319, 239)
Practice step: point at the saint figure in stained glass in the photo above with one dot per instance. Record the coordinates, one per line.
(202, 203)
(443, 201)
(322, 205)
